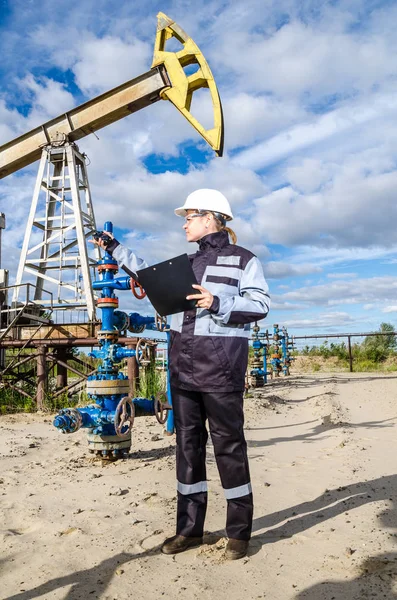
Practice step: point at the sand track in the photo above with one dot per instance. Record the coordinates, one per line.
(324, 471)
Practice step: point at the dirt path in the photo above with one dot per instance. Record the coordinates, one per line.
(324, 471)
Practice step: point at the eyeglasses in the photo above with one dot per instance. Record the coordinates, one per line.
(194, 216)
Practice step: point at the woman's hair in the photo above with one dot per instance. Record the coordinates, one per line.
(221, 226)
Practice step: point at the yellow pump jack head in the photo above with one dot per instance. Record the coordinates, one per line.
(184, 86)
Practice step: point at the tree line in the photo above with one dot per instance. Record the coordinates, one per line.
(376, 348)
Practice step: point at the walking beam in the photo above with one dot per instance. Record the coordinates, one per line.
(167, 80)
(83, 120)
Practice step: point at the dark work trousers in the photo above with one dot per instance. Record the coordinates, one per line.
(224, 411)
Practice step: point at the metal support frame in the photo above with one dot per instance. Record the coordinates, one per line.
(132, 371)
(43, 363)
(41, 377)
(62, 214)
(61, 356)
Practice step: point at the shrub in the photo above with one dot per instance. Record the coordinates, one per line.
(373, 350)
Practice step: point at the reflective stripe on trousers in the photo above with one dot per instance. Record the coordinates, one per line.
(224, 411)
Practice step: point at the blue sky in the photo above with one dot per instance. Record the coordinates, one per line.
(309, 97)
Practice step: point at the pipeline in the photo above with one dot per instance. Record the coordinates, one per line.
(278, 348)
(282, 347)
(259, 371)
(287, 345)
(109, 419)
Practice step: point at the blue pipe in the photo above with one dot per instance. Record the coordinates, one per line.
(276, 358)
(99, 418)
(260, 350)
(121, 283)
(137, 320)
(170, 427)
(265, 373)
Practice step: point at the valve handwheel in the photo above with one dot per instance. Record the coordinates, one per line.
(137, 289)
(161, 322)
(124, 416)
(142, 352)
(137, 328)
(161, 407)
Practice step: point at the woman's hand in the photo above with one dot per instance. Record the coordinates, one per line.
(204, 300)
(98, 241)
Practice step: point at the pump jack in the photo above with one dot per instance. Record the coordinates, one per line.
(62, 215)
(66, 218)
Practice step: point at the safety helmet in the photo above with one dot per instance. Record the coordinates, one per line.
(206, 199)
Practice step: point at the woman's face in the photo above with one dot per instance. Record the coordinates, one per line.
(197, 226)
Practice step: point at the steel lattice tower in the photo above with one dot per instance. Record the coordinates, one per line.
(61, 218)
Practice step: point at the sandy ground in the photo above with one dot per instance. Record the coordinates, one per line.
(324, 471)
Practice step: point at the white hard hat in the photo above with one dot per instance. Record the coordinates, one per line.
(206, 199)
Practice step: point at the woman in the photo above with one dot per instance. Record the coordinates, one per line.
(208, 356)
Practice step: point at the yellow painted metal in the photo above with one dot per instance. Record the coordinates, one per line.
(183, 86)
(166, 79)
(84, 119)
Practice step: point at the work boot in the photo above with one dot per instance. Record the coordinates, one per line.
(180, 543)
(236, 549)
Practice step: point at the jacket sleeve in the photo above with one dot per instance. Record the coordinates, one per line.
(125, 257)
(253, 301)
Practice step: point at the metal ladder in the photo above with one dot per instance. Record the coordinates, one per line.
(62, 215)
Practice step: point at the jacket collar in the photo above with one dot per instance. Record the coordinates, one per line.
(217, 240)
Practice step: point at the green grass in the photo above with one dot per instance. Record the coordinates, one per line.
(365, 365)
(12, 402)
(151, 381)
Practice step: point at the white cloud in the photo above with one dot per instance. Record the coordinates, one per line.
(48, 98)
(279, 270)
(15, 197)
(369, 306)
(9, 122)
(389, 309)
(283, 305)
(106, 62)
(341, 275)
(356, 209)
(250, 118)
(323, 321)
(317, 57)
(368, 290)
(318, 128)
(336, 256)
(309, 174)
(145, 202)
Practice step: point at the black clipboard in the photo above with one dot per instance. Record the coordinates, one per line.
(168, 283)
